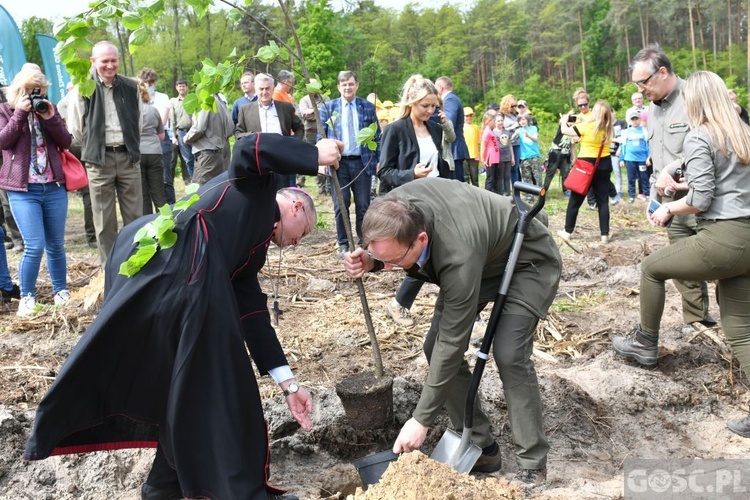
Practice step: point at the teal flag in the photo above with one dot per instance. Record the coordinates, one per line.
(12, 56)
(54, 70)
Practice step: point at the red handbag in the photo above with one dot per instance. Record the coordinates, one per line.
(75, 174)
(580, 176)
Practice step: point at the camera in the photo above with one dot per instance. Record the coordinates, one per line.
(38, 102)
(572, 118)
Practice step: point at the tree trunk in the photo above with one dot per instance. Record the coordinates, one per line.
(700, 32)
(208, 34)
(583, 56)
(177, 48)
(122, 51)
(729, 34)
(644, 35)
(692, 35)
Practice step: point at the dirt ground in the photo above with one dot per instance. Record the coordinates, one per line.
(599, 410)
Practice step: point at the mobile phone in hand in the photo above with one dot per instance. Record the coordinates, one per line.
(653, 206)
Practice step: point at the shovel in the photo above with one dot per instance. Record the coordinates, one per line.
(456, 449)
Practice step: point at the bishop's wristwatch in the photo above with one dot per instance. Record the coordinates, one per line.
(291, 389)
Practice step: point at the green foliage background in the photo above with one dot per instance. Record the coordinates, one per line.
(540, 50)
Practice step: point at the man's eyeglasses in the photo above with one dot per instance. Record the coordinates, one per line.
(644, 82)
(583, 105)
(392, 264)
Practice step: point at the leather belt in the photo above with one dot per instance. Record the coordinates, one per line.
(351, 157)
(122, 148)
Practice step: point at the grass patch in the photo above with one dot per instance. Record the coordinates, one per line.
(579, 302)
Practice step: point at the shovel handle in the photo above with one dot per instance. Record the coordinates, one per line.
(525, 215)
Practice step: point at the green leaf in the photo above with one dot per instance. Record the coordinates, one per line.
(191, 103)
(146, 231)
(168, 239)
(162, 225)
(136, 262)
(367, 136)
(314, 87)
(146, 241)
(266, 54)
(165, 210)
(137, 38)
(192, 188)
(132, 20)
(87, 87)
(108, 11)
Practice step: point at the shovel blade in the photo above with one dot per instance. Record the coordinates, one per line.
(452, 451)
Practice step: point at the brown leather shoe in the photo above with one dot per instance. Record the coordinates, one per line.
(488, 462)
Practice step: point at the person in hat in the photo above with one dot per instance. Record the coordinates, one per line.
(633, 155)
(472, 135)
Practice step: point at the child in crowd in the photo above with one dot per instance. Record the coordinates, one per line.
(490, 152)
(531, 158)
(507, 157)
(633, 155)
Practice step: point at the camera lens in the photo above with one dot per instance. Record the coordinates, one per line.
(40, 106)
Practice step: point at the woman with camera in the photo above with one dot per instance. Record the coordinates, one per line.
(717, 181)
(595, 136)
(31, 131)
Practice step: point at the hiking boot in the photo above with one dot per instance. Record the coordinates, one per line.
(400, 315)
(530, 477)
(740, 426)
(342, 250)
(13, 293)
(639, 346)
(489, 462)
(62, 297)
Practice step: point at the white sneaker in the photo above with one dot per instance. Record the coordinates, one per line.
(605, 239)
(26, 306)
(62, 297)
(564, 234)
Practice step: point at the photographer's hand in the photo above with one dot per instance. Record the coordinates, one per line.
(23, 102)
(50, 111)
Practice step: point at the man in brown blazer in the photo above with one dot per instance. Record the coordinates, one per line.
(269, 116)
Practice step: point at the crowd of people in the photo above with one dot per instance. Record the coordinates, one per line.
(426, 154)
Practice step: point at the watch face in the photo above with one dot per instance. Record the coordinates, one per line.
(292, 388)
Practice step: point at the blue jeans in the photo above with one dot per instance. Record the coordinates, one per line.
(515, 169)
(40, 214)
(6, 283)
(186, 151)
(349, 170)
(458, 173)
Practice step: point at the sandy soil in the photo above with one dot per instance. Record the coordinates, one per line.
(599, 410)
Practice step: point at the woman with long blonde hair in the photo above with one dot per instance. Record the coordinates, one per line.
(595, 137)
(411, 149)
(716, 188)
(31, 131)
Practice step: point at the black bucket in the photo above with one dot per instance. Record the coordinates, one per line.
(372, 467)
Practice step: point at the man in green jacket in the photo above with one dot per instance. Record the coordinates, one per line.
(459, 238)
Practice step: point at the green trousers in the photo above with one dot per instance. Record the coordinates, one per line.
(719, 251)
(512, 348)
(694, 292)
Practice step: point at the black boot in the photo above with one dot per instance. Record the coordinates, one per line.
(149, 492)
(639, 345)
(740, 426)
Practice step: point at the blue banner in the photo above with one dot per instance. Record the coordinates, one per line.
(55, 70)
(12, 56)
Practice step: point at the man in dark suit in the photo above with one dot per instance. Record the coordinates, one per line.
(269, 116)
(348, 115)
(454, 111)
